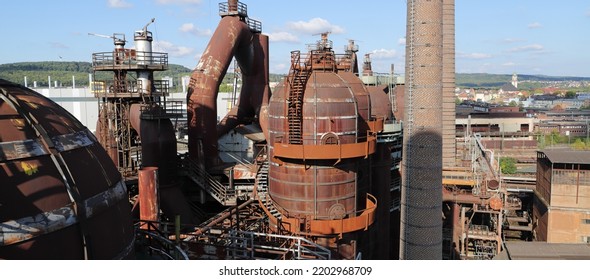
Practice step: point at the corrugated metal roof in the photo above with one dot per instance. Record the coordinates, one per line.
(544, 251)
(567, 156)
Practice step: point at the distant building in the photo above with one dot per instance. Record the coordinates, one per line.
(508, 89)
(515, 80)
(561, 208)
(495, 121)
(569, 128)
(549, 101)
(504, 109)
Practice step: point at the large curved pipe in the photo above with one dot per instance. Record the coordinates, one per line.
(254, 82)
(231, 38)
(158, 149)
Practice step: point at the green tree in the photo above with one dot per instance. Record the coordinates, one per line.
(570, 94)
(512, 103)
(508, 165)
(578, 145)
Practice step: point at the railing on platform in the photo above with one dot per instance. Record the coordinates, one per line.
(247, 243)
(129, 58)
(223, 194)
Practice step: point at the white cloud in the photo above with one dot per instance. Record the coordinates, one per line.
(178, 2)
(191, 29)
(315, 25)
(401, 41)
(280, 68)
(283, 37)
(119, 4)
(474, 55)
(509, 64)
(171, 49)
(535, 25)
(512, 40)
(528, 48)
(383, 54)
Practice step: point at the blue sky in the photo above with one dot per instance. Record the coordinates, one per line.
(500, 37)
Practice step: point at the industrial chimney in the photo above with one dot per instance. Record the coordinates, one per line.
(421, 198)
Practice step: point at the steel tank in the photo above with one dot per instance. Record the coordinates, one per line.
(61, 196)
(317, 188)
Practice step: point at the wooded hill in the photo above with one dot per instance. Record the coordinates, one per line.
(62, 72)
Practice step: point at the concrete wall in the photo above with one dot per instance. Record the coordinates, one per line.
(568, 226)
(570, 195)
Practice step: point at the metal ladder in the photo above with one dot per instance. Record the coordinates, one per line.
(297, 80)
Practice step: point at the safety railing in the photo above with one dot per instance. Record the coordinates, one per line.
(254, 25)
(161, 110)
(223, 194)
(129, 58)
(240, 9)
(129, 88)
(297, 247)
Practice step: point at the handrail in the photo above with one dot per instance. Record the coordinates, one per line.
(129, 57)
(134, 88)
(210, 184)
(299, 245)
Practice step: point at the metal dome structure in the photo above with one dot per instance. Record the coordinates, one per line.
(61, 197)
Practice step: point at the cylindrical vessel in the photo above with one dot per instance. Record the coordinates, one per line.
(318, 189)
(149, 208)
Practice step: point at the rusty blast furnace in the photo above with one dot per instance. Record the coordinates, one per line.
(321, 137)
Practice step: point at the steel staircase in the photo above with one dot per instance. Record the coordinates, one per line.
(297, 80)
(262, 190)
(212, 186)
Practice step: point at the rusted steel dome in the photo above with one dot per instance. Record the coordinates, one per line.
(61, 197)
(330, 117)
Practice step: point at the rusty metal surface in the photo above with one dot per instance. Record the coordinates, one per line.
(158, 143)
(363, 99)
(254, 80)
(102, 133)
(232, 38)
(149, 208)
(323, 152)
(329, 227)
(320, 183)
(380, 102)
(321, 190)
(329, 107)
(73, 171)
